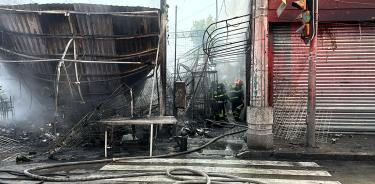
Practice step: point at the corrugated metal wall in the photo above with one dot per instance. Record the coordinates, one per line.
(103, 37)
(345, 76)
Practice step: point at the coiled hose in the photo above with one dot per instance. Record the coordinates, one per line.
(225, 178)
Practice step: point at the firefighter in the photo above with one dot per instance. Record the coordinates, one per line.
(236, 97)
(220, 99)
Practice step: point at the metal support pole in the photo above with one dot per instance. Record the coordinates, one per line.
(175, 64)
(151, 138)
(311, 98)
(105, 142)
(162, 34)
(163, 69)
(131, 103)
(132, 111)
(163, 56)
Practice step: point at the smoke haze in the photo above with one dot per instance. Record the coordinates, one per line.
(28, 108)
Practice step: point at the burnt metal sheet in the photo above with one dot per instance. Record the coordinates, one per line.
(97, 37)
(345, 69)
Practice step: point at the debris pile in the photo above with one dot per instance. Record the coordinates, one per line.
(19, 140)
(9, 148)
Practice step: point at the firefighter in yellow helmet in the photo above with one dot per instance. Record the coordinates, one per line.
(236, 97)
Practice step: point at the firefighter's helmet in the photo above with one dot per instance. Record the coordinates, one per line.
(238, 82)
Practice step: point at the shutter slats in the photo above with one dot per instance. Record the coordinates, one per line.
(345, 81)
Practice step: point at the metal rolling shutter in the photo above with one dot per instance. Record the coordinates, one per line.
(345, 76)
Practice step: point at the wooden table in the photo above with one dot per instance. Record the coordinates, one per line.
(121, 121)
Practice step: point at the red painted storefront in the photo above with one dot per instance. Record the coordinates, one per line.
(345, 64)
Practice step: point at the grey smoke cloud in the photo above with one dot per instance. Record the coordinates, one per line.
(28, 108)
(228, 72)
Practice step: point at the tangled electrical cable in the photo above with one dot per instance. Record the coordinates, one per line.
(174, 173)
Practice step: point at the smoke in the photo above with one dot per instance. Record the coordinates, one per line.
(28, 108)
(232, 69)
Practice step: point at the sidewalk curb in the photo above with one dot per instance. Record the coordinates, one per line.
(342, 156)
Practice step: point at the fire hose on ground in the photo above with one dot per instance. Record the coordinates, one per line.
(171, 173)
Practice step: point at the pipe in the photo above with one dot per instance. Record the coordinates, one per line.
(32, 59)
(175, 65)
(75, 58)
(152, 88)
(61, 62)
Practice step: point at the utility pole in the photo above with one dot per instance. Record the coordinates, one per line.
(175, 63)
(309, 34)
(311, 98)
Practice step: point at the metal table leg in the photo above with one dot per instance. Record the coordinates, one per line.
(151, 138)
(105, 142)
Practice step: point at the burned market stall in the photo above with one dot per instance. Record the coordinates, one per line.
(82, 61)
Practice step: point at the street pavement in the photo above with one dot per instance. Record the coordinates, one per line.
(271, 172)
(350, 172)
(268, 171)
